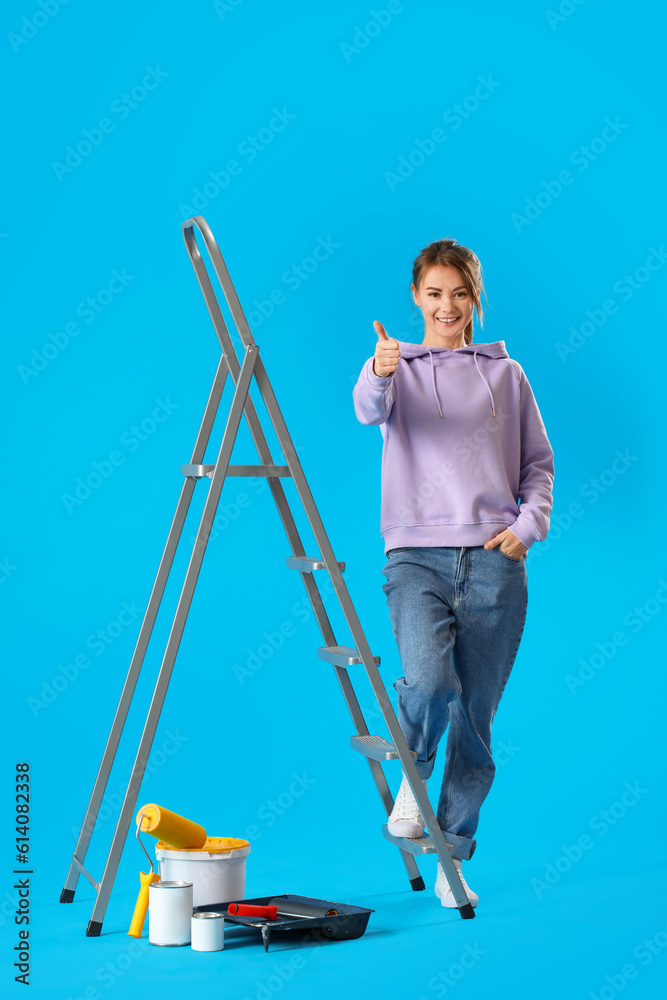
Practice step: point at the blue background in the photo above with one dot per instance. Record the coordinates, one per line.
(358, 90)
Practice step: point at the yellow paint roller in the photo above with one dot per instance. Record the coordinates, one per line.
(172, 829)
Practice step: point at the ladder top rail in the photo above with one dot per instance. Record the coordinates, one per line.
(221, 271)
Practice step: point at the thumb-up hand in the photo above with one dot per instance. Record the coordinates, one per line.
(387, 352)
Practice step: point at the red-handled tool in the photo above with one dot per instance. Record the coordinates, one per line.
(248, 910)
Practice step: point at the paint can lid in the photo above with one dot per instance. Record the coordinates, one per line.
(212, 845)
(169, 885)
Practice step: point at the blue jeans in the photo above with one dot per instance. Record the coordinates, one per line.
(457, 614)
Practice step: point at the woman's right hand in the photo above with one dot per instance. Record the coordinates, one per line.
(387, 353)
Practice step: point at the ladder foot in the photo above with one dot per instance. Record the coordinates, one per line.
(67, 896)
(94, 928)
(417, 884)
(467, 911)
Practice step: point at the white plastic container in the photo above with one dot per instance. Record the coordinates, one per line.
(208, 931)
(217, 870)
(169, 913)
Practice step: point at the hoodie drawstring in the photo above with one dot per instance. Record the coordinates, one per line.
(493, 405)
(434, 388)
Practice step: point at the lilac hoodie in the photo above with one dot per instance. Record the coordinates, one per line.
(463, 443)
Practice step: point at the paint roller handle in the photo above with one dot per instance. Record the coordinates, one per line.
(251, 910)
(141, 907)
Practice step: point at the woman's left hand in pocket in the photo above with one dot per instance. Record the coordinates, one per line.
(509, 544)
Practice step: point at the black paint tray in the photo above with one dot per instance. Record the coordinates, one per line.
(300, 914)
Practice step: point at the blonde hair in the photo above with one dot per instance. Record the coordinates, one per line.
(451, 254)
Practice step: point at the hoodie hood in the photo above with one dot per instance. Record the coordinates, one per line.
(441, 355)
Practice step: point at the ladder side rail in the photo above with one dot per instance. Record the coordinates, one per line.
(330, 561)
(221, 271)
(229, 352)
(284, 509)
(312, 590)
(210, 413)
(275, 485)
(145, 632)
(360, 641)
(227, 346)
(377, 773)
(252, 418)
(437, 836)
(173, 642)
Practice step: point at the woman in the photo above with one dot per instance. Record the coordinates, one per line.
(463, 443)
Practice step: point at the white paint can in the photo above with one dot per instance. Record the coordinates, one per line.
(208, 931)
(169, 913)
(216, 870)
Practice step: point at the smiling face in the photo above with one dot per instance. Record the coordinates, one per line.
(446, 306)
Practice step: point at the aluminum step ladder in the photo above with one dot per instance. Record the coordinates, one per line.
(375, 749)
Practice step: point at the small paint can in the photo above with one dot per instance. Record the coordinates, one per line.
(208, 931)
(169, 913)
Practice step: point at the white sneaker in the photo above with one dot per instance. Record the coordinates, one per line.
(406, 819)
(443, 891)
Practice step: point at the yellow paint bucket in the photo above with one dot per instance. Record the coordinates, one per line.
(216, 869)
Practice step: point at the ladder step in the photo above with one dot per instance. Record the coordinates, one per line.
(200, 471)
(197, 471)
(424, 845)
(306, 565)
(376, 747)
(341, 656)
